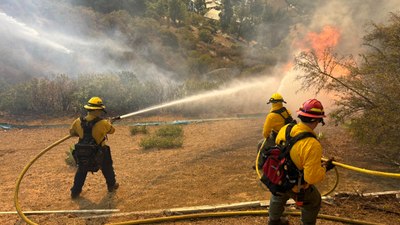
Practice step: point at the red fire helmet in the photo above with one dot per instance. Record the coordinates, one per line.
(312, 108)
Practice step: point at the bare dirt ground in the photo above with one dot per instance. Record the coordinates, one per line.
(213, 167)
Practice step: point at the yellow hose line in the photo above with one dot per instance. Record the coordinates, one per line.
(236, 213)
(258, 157)
(366, 171)
(16, 202)
(201, 215)
(336, 183)
(357, 169)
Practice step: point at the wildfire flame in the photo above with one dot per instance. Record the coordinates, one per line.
(327, 38)
(319, 42)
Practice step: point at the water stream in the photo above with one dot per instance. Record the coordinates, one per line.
(10, 27)
(211, 94)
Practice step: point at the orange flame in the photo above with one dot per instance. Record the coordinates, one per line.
(328, 38)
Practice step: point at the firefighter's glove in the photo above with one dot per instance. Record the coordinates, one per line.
(329, 164)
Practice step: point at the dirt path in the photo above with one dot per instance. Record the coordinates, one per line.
(213, 167)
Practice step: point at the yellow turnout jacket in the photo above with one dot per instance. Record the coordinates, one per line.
(306, 154)
(99, 132)
(274, 122)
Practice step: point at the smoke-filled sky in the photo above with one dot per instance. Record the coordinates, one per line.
(43, 37)
(339, 23)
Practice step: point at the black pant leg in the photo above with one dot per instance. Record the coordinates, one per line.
(79, 180)
(107, 168)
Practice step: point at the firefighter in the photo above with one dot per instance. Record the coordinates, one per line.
(276, 118)
(306, 155)
(95, 109)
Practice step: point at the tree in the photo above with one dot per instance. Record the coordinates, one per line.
(177, 11)
(200, 6)
(226, 14)
(275, 26)
(103, 6)
(157, 9)
(368, 97)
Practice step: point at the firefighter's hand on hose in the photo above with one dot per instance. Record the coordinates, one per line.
(329, 165)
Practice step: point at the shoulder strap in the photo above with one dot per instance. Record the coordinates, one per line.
(280, 111)
(290, 141)
(87, 127)
(301, 136)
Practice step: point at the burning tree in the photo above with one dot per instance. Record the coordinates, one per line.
(367, 96)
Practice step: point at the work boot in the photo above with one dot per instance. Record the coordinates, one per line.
(281, 221)
(113, 188)
(75, 195)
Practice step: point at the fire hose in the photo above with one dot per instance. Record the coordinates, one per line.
(174, 218)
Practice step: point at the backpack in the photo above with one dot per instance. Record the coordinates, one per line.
(88, 154)
(289, 119)
(280, 174)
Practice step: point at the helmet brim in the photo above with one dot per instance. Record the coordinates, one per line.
(301, 113)
(88, 107)
(276, 101)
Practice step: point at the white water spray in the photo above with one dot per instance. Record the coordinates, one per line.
(11, 27)
(232, 90)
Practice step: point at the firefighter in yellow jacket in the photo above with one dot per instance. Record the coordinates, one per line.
(276, 119)
(306, 155)
(99, 130)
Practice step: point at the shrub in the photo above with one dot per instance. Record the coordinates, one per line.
(138, 130)
(169, 136)
(161, 142)
(169, 38)
(170, 131)
(206, 36)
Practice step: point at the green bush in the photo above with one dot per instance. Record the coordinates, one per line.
(138, 130)
(170, 131)
(161, 142)
(169, 136)
(206, 36)
(169, 38)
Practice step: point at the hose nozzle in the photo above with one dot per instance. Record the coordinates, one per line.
(113, 119)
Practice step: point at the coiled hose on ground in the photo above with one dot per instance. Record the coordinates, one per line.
(199, 215)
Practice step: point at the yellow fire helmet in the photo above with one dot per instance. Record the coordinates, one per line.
(275, 98)
(95, 103)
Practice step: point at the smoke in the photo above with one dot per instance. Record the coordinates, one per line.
(351, 20)
(43, 37)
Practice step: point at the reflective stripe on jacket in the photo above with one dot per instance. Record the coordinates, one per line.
(99, 132)
(306, 153)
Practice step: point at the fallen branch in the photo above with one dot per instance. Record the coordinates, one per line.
(357, 194)
(367, 206)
